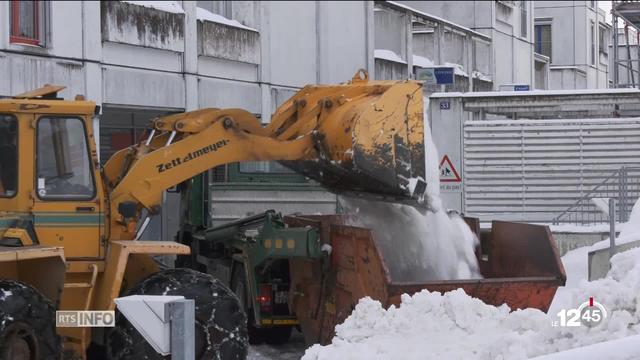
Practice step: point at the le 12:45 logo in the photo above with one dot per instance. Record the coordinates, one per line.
(590, 313)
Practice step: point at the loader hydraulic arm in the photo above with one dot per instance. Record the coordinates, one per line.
(363, 137)
(185, 146)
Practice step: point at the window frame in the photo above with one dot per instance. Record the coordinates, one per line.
(602, 43)
(91, 165)
(593, 44)
(17, 157)
(541, 23)
(15, 25)
(524, 15)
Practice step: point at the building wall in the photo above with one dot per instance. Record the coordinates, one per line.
(571, 44)
(512, 54)
(138, 62)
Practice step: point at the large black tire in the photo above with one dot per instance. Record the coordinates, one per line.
(276, 335)
(221, 331)
(27, 324)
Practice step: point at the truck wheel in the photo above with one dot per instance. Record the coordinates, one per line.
(221, 331)
(276, 335)
(27, 324)
(239, 286)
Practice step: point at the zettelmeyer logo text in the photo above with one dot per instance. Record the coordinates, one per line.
(192, 155)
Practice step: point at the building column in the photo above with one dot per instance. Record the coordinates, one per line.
(264, 69)
(190, 56)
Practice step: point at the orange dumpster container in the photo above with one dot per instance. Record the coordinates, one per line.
(519, 263)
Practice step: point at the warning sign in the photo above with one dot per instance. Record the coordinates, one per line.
(448, 173)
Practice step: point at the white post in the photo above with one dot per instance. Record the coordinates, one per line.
(612, 227)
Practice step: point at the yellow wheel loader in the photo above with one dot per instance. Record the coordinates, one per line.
(69, 229)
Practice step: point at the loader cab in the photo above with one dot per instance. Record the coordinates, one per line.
(49, 176)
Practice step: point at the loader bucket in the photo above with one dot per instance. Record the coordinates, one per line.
(369, 137)
(519, 262)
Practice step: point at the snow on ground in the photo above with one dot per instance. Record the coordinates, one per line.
(456, 326)
(292, 350)
(619, 349)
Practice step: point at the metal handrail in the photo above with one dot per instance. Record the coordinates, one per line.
(620, 178)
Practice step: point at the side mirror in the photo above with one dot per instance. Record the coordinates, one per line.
(128, 209)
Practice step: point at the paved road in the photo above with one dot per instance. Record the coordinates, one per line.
(293, 350)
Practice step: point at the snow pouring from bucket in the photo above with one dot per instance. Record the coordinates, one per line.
(419, 247)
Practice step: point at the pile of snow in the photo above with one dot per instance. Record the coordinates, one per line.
(576, 262)
(168, 6)
(206, 15)
(456, 326)
(387, 55)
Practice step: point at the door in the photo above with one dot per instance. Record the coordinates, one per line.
(67, 211)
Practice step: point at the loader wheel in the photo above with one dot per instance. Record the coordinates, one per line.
(221, 331)
(27, 324)
(276, 335)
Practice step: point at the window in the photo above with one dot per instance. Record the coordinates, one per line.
(523, 19)
(217, 7)
(593, 43)
(8, 155)
(543, 39)
(265, 167)
(63, 162)
(602, 39)
(27, 22)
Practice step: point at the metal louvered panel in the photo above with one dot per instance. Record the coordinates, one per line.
(533, 170)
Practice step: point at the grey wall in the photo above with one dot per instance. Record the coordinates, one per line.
(571, 44)
(512, 54)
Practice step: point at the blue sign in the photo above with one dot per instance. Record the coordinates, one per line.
(444, 76)
(436, 76)
(521, 88)
(445, 105)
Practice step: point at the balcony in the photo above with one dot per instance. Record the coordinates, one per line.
(143, 25)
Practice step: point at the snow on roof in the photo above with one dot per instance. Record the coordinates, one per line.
(457, 68)
(387, 55)
(480, 76)
(205, 15)
(439, 19)
(536, 93)
(168, 6)
(422, 61)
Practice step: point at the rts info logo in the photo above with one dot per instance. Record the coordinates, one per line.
(590, 313)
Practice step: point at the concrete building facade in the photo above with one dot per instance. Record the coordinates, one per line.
(138, 60)
(509, 24)
(575, 36)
